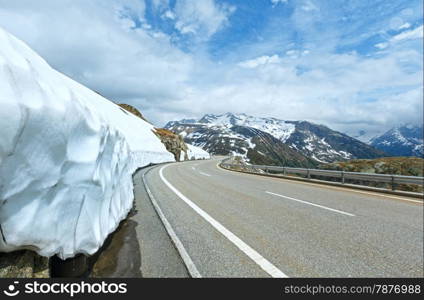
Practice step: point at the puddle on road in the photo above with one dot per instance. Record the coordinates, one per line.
(120, 255)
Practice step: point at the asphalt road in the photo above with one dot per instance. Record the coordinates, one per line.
(229, 224)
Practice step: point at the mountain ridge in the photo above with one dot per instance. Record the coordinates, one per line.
(401, 140)
(315, 141)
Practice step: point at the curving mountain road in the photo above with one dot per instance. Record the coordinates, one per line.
(229, 224)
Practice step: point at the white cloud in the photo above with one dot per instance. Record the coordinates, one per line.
(381, 45)
(169, 14)
(275, 2)
(263, 60)
(95, 43)
(405, 26)
(160, 4)
(413, 34)
(201, 17)
(344, 91)
(309, 6)
(92, 41)
(416, 33)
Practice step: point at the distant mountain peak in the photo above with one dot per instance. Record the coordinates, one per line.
(402, 140)
(221, 133)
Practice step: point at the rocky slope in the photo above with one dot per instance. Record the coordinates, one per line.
(404, 140)
(252, 144)
(132, 110)
(23, 264)
(327, 145)
(240, 134)
(174, 143)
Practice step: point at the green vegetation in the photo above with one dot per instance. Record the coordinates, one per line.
(408, 166)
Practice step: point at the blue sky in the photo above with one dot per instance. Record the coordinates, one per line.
(351, 65)
(280, 26)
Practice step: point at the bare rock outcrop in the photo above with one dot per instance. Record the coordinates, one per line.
(23, 264)
(132, 110)
(174, 143)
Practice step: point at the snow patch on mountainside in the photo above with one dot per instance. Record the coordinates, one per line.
(315, 146)
(319, 149)
(278, 128)
(67, 156)
(197, 153)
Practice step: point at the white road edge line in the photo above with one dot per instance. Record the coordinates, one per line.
(349, 189)
(204, 173)
(191, 267)
(268, 267)
(313, 204)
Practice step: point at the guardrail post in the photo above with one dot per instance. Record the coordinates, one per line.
(343, 177)
(393, 183)
(284, 171)
(308, 174)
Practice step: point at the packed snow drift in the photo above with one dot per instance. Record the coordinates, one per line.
(67, 156)
(197, 153)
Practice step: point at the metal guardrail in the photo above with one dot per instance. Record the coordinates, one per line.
(393, 180)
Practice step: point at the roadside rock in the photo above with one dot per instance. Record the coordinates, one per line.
(174, 143)
(23, 264)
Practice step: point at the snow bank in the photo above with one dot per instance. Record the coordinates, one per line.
(67, 156)
(197, 152)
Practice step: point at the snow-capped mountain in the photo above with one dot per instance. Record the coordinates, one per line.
(222, 134)
(404, 140)
(278, 128)
(253, 144)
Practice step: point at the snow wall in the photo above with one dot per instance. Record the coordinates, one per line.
(67, 156)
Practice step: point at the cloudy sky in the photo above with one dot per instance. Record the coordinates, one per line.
(348, 64)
